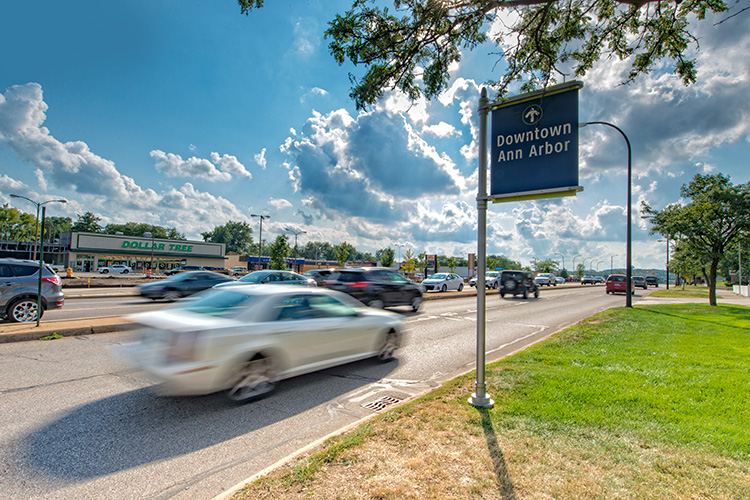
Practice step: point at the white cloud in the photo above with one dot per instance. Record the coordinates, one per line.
(280, 203)
(173, 165)
(260, 159)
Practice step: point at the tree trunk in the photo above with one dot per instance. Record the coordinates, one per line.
(712, 282)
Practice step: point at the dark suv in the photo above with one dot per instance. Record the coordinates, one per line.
(376, 286)
(652, 281)
(19, 288)
(518, 283)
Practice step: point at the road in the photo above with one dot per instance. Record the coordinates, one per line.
(79, 423)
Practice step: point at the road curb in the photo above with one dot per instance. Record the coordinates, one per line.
(57, 329)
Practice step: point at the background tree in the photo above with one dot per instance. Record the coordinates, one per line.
(237, 236)
(502, 262)
(544, 265)
(451, 262)
(87, 223)
(138, 228)
(580, 269)
(16, 225)
(410, 261)
(342, 253)
(55, 226)
(412, 46)
(717, 215)
(279, 252)
(385, 256)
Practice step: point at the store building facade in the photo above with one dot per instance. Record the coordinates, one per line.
(91, 251)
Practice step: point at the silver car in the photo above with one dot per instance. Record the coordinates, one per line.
(19, 289)
(271, 277)
(244, 339)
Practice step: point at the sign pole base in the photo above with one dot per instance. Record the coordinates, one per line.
(481, 401)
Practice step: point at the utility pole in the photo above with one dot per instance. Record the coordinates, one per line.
(260, 234)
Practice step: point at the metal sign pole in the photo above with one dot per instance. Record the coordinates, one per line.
(480, 398)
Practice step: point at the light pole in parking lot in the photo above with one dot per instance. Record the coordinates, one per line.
(295, 233)
(563, 259)
(667, 240)
(41, 247)
(611, 263)
(260, 234)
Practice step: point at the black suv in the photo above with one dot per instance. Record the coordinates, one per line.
(518, 282)
(19, 289)
(652, 281)
(376, 286)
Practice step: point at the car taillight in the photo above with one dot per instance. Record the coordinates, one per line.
(359, 284)
(55, 280)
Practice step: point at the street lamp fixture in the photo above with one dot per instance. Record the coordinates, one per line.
(260, 234)
(563, 259)
(41, 247)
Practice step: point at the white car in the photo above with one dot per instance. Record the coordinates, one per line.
(491, 280)
(116, 269)
(545, 279)
(244, 339)
(443, 282)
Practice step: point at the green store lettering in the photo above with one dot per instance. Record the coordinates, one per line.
(145, 245)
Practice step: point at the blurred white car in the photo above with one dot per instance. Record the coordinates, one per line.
(560, 280)
(244, 339)
(491, 280)
(547, 279)
(443, 282)
(116, 269)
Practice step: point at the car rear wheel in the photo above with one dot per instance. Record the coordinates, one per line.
(460, 287)
(253, 380)
(376, 304)
(525, 294)
(105, 271)
(23, 311)
(389, 346)
(502, 295)
(416, 302)
(125, 271)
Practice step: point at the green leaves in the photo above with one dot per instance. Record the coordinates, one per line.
(413, 49)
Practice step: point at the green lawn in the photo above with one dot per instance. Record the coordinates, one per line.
(651, 402)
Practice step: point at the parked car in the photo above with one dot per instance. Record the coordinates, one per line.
(617, 283)
(245, 339)
(640, 282)
(560, 280)
(319, 275)
(182, 285)
(221, 270)
(598, 279)
(515, 282)
(443, 282)
(183, 269)
(652, 281)
(376, 287)
(491, 280)
(545, 279)
(587, 280)
(239, 270)
(266, 277)
(19, 290)
(116, 269)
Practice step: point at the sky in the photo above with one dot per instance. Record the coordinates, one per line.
(188, 115)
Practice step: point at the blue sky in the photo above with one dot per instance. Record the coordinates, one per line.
(188, 115)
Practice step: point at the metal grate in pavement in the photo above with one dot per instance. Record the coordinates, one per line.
(381, 403)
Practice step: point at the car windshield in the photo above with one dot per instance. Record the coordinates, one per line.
(253, 278)
(493, 274)
(438, 276)
(223, 303)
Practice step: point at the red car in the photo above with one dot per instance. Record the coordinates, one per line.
(618, 283)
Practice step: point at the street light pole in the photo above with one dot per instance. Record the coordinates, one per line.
(260, 234)
(41, 253)
(295, 233)
(629, 237)
(563, 259)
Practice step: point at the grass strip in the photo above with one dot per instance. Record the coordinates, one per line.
(650, 402)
